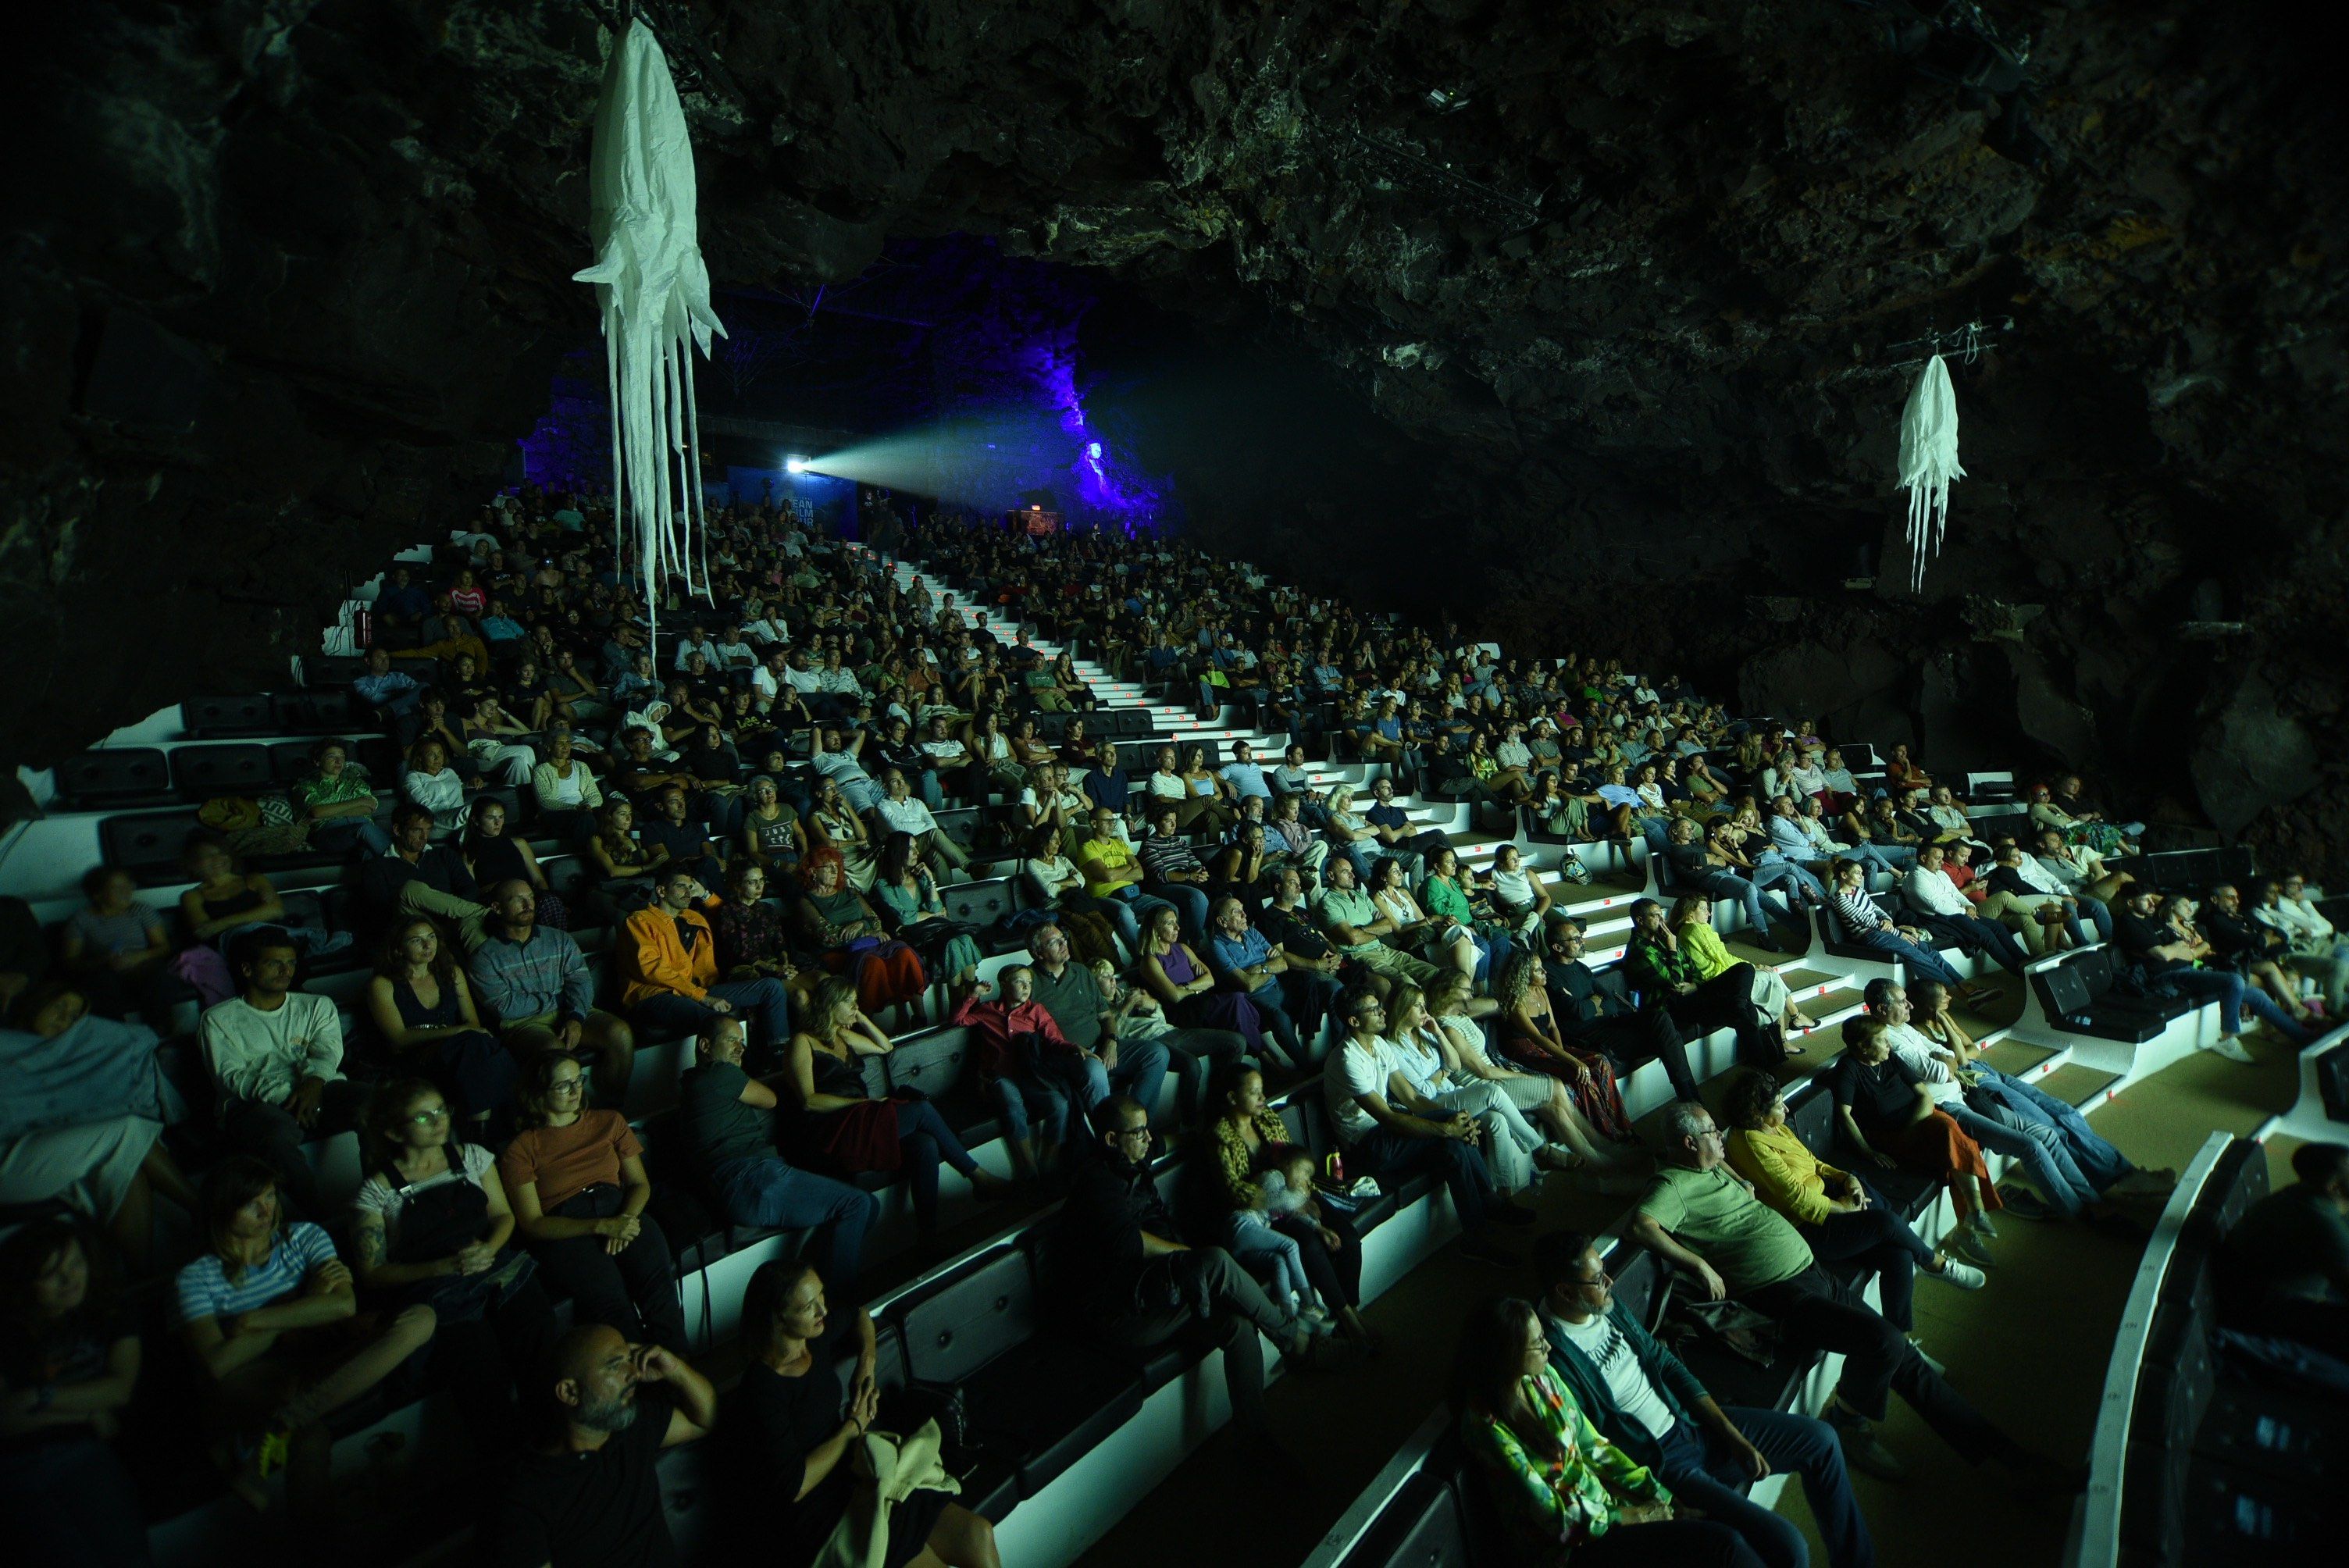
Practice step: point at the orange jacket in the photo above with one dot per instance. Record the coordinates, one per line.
(652, 960)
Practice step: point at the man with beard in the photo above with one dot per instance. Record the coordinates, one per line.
(588, 1496)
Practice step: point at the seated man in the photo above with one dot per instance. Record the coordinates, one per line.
(1291, 840)
(1390, 1134)
(1666, 978)
(843, 762)
(1175, 876)
(1645, 1402)
(2017, 891)
(1944, 912)
(276, 1060)
(1242, 960)
(1595, 1012)
(669, 826)
(1704, 1217)
(1105, 783)
(1291, 781)
(899, 812)
(1392, 827)
(726, 1120)
(2168, 959)
(588, 1494)
(1313, 964)
(2075, 870)
(534, 986)
(1245, 774)
(419, 877)
(1113, 873)
(1354, 924)
(2284, 1268)
(666, 960)
(1113, 1247)
(1073, 998)
(392, 694)
(897, 749)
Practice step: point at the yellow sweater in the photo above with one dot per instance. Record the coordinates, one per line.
(1785, 1173)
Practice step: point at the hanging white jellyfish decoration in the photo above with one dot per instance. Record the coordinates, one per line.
(1928, 461)
(653, 290)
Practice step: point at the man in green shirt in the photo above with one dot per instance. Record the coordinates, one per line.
(1703, 1216)
(1355, 926)
(2284, 1268)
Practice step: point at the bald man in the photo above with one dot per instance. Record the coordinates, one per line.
(588, 1495)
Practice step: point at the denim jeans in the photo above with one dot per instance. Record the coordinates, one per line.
(2009, 1099)
(1704, 1474)
(1730, 888)
(774, 1196)
(1043, 1085)
(1189, 900)
(1771, 867)
(1141, 1071)
(1923, 960)
(2041, 1149)
(1389, 1156)
(1126, 909)
(2227, 988)
(763, 1005)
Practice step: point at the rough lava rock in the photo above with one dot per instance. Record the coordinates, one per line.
(286, 278)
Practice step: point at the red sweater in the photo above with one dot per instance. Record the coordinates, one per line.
(998, 1024)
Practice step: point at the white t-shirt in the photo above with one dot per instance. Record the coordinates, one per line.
(1359, 1071)
(378, 1196)
(1919, 1052)
(1597, 1337)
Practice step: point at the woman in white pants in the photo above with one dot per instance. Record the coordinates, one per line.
(1539, 1097)
(1512, 1146)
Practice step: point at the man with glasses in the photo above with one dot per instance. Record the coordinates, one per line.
(1115, 1260)
(1069, 994)
(1392, 1134)
(1704, 1217)
(1644, 1401)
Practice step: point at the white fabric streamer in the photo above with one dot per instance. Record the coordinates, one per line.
(1928, 460)
(653, 290)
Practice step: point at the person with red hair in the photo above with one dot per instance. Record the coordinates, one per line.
(835, 917)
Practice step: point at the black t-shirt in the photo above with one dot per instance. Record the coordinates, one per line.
(2139, 935)
(599, 1510)
(718, 1125)
(766, 1429)
(1688, 862)
(1882, 1097)
(1294, 930)
(1582, 996)
(683, 840)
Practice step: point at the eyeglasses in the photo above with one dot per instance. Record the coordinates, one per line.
(427, 1118)
(565, 1085)
(1143, 1132)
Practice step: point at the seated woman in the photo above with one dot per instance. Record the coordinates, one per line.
(1055, 882)
(1217, 806)
(114, 949)
(267, 1314)
(1861, 921)
(576, 1181)
(1349, 831)
(1219, 1022)
(421, 1004)
(336, 798)
(834, 919)
(843, 1131)
(1564, 1493)
(1442, 942)
(1244, 867)
(1512, 1146)
(1520, 900)
(1841, 1216)
(494, 856)
(619, 872)
(833, 824)
(568, 795)
(70, 1359)
(1888, 1116)
(1027, 748)
(1692, 922)
(226, 899)
(1900, 773)
(789, 1436)
(1531, 1039)
(918, 917)
(1248, 1139)
(771, 836)
(430, 782)
(1450, 1003)
(431, 1224)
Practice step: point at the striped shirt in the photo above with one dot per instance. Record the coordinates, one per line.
(205, 1289)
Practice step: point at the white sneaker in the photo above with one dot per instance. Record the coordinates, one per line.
(1962, 1275)
(2228, 1047)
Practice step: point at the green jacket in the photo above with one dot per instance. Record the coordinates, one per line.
(1675, 1384)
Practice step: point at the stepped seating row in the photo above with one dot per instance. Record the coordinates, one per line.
(1431, 1508)
(142, 775)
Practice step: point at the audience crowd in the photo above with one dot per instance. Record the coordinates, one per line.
(764, 795)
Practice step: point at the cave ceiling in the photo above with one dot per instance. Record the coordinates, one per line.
(1623, 283)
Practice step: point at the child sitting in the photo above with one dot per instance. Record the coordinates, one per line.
(1133, 1013)
(1286, 1187)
